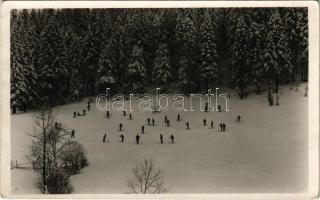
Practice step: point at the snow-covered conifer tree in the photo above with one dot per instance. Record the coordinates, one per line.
(161, 71)
(106, 70)
(276, 30)
(240, 64)
(24, 89)
(208, 52)
(186, 37)
(136, 70)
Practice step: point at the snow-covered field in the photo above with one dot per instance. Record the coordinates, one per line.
(266, 152)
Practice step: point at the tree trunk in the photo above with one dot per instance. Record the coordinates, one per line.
(50, 98)
(44, 163)
(277, 84)
(292, 78)
(241, 94)
(14, 109)
(207, 85)
(24, 107)
(269, 94)
(258, 90)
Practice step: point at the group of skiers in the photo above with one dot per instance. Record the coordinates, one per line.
(104, 138)
(75, 114)
(149, 122)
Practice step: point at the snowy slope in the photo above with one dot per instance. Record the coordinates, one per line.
(266, 152)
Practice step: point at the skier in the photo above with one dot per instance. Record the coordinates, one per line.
(152, 122)
(108, 114)
(211, 123)
(172, 138)
(168, 123)
(238, 118)
(224, 127)
(72, 133)
(84, 112)
(148, 121)
(165, 119)
(104, 137)
(187, 125)
(178, 119)
(122, 137)
(120, 127)
(219, 108)
(137, 138)
(130, 116)
(204, 122)
(161, 138)
(142, 129)
(124, 113)
(221, 126)
(74, 114)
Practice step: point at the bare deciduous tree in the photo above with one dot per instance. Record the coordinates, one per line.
(46, 145)
(147, 178)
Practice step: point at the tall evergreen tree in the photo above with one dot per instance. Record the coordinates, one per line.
(186, 35)
(23, 75)
(136, 70)
(161, 71)
(240, 64)
(52, 73)
(276, 29)
(208, 53)
(257, 39)
(302, 26)
(106, 70)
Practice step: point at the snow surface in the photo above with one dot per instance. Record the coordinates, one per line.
(266, 152)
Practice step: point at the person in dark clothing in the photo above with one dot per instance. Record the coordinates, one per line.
(165, 119)
(56, 125)
(104, 137)
(124, 113)
(161, 138)
(152, 122)
(72, 133)
(122, 137)
(221, 127)
(84, 112)
(178, 119)
(224, 127)
(108, 114)
(88, 106)
(172, 138)
(120, 126)
(211, 123)
(142, 129)
(148, 121)
(137, 138)
(187, 125)
(219, 108)
(238, 118)
(130, 116)
(74, 114)
(168, 123)
(204, 122)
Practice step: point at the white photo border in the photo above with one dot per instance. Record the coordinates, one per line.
(313, 98)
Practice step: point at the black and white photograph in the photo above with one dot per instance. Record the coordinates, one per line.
(147, 99)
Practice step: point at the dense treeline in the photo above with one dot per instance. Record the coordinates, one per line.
(58, 55)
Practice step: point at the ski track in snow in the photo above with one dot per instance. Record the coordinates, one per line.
(265, 152)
